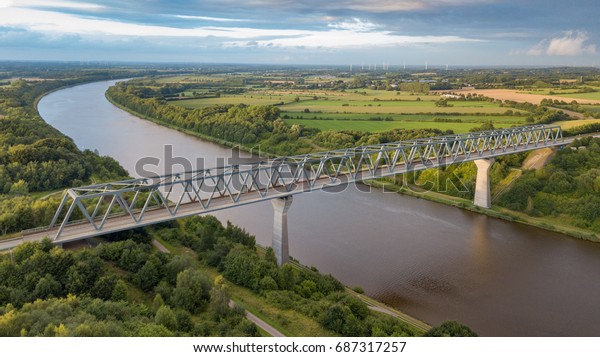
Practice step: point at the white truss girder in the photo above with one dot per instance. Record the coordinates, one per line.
(116, 206)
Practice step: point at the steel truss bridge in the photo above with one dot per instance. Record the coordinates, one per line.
(98, 209)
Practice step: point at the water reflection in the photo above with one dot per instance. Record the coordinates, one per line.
(432, 261)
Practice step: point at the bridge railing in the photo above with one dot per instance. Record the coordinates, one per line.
(208, 189)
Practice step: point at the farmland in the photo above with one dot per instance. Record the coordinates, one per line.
(377, 126)
(368, 103)
(364, 110)
(571, 93)
(535, 96)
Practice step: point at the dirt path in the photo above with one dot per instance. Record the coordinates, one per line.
(538, 158)
(572, 114)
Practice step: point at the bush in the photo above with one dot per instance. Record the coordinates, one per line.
(450, 329)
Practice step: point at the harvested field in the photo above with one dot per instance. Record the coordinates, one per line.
(522, 97)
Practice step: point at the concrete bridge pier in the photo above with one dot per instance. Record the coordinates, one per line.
(482, 184)
(280, 229)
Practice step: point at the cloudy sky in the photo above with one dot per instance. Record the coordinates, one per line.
(440, 32)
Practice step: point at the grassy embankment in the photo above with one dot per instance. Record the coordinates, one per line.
(409, 115)
(549, 223)
(191, 132)
(287, 321)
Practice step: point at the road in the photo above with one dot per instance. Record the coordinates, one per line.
(260, 323)
(83, 230)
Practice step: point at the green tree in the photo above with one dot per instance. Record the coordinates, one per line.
(166, 317)
(335, 317)
(192, 291)
(450, 329)
(19, 188)
(240, 266)
(47, 287)
(149, 275)
(104, 287)
(119, 292)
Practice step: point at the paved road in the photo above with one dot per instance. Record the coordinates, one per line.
(260, 323)
(85, 230)
(159, 246)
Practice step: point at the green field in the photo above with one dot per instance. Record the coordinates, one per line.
(375, 126)
(575, 123)
(362, 110)
(568, 93)
(390, 107)
(592, 108)
(505, 119)
(345, 104)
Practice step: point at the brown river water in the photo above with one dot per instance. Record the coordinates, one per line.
(432, 261)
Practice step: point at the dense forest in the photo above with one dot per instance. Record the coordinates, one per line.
(321, 297)
(124, 287)
(569, 186)
(107, 291)
(35, 158)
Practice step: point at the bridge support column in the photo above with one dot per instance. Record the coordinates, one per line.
(482, 184)
(280, 229)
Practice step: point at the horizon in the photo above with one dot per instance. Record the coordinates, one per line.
(341, 66)
(457, 33)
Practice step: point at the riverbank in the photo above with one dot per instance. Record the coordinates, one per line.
(428, 260)
(546, 223)
(226, 143)
(279, 314)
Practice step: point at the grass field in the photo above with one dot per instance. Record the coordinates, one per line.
(575, 123)
(569, 93)
(375, 126)
(360, 109)
(506, 119)
(345, 105)
(592, 108)
(388, 107)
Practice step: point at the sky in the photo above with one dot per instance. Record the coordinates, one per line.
(288, 32)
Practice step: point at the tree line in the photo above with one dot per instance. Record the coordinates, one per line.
(113, 290)
(321, 297)
(35, 157)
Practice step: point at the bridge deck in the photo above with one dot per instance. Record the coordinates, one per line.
(84, 229)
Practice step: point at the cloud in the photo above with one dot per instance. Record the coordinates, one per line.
(55, 22)
(356, 24)
(573, 43)
(570, 43)
(337, 39)
(208, 18)
(74, 5)
(371, 6)
(352, 33)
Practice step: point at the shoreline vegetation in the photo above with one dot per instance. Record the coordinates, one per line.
(372, 303)
(204, 252)
(547, 223)
(212, 139)
(102, 285)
